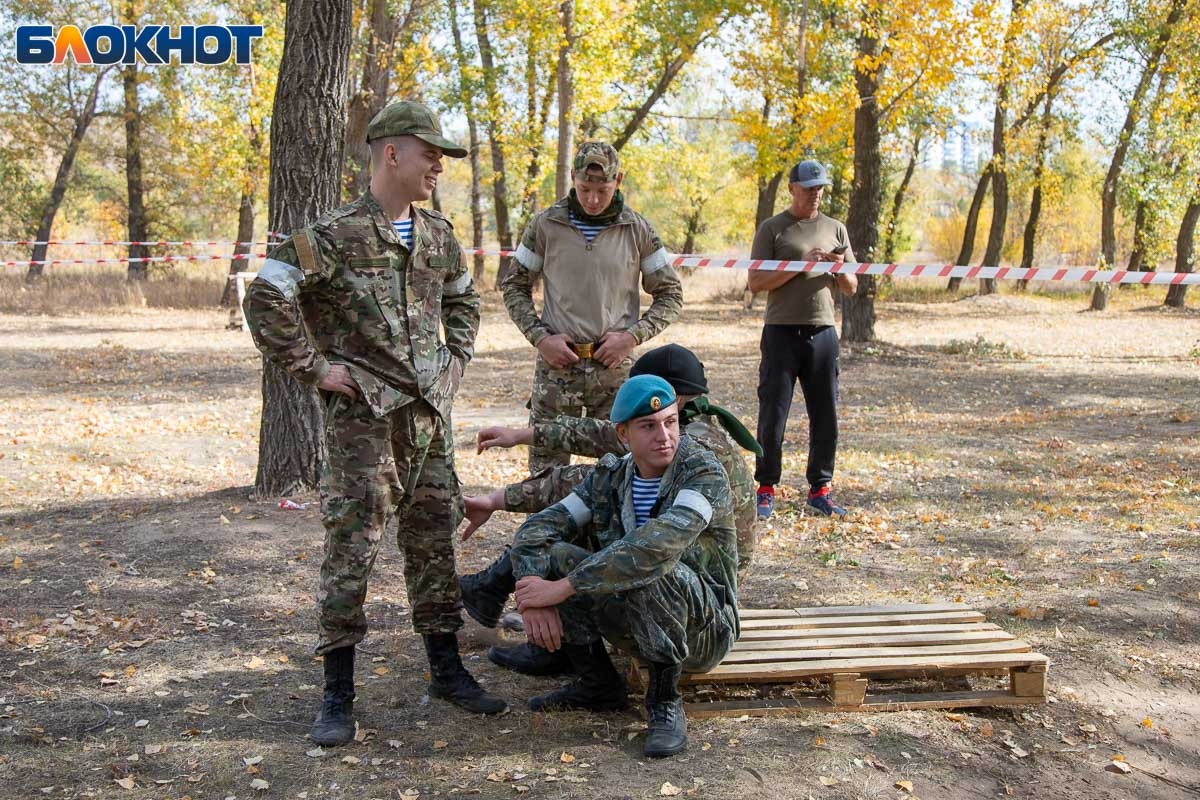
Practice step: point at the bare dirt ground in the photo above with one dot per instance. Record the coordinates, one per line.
(157, 623)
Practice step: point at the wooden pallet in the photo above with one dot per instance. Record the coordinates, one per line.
(851, 648)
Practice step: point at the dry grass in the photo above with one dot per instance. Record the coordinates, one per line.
(89, 287)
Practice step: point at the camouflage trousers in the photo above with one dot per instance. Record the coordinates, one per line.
(586, 388)
(402, 465)
(677, 619)
(547, 488)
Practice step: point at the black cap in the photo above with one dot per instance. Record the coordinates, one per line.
(676, 365)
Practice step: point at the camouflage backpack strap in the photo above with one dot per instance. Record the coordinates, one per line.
(306, 251)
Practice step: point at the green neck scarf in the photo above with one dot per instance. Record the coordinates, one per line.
(732, 425)
(605, 217)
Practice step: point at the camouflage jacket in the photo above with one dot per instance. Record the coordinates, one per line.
(346, 291)
(591, 288)
(691, 523)
(588, 436)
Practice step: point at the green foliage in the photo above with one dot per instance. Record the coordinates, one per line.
(980, 347)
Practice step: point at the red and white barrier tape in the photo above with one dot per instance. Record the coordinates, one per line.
(147, 260)
(115, 243)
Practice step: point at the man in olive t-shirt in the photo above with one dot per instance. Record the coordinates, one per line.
(799, 341)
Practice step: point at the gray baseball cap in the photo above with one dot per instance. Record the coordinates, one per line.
(809, 174)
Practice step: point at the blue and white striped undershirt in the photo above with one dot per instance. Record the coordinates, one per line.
(589, 229)
(404, 230)
(645, 493)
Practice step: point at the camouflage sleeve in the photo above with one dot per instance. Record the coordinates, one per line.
(583, 436)
(460, 307)
(518, 286)
(651, 551)
(565, 521)
(660, 280)
(273, 312)
(544, 489)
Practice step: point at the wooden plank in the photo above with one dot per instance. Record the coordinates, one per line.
(767, 613)
(1028, 681)
(847, 689)
(885, 702)
(904, 608)
(812, 654)
(782, 671)
(866, 631)
(861, 620)
(879, 640)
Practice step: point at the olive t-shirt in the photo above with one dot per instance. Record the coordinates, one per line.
(806, 299)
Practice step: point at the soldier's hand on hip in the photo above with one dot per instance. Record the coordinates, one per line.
(615, 347)
(555, 351)
(339, 380)
(499, 436)
(543, 626)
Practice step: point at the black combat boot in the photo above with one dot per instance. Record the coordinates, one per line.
(485, 593)
(529, 659)
(598, 687)
(666, 726)
(335, 724)
(450, 679)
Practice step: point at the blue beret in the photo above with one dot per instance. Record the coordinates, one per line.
(641, 396)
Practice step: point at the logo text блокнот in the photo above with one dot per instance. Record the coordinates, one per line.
(125, 44)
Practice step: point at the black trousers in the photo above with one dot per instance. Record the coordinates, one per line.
(809, 354)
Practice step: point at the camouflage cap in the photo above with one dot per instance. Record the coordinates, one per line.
(598, 154)
(410, 118)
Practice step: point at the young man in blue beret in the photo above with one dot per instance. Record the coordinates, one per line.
(644, 554)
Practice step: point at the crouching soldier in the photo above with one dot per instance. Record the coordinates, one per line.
(643, 553)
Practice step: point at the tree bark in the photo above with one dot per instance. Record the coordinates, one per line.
(1029, 237)
(372, 93)
(537, 117)
(83, 118)
(866, 193)
(889, 246)
(999, 226)
(1185, 245)
(308, 129)
(465, 96)
(495, 110)
(566, 99)
(1112, 179)
(972, 224)
(1137, 259)
(245, 239)
(136, 205)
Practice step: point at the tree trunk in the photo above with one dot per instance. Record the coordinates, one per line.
(566, 99)
(1029, 238)
(972, 224)
(1137, 259)
(999, 226)
(136, 270)
(371, 95)
(495, 111)
(308, 128)
(866, 193)
(1112, 179)
(889, 246)
(59, 189)
(537, 117)
(1185, 245)
(245, 238)
(465, 96)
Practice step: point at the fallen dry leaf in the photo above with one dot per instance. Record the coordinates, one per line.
(669, 789)
(154, 749)
(259, 785)
(827, 781)
(566, 758)
(440, 744)
(1119, 767)
(316, 752)
(905, 785)
(252, 760)
(351, 760)
(255, 663)
(125, 783)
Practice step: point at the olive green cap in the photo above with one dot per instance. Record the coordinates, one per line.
(410, 118)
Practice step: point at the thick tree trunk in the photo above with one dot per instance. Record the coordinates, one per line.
(537, 118)
(372, 93)
(1185, 245)
(137, 270)
(566, 99)
(1137, 259)
(972, 224)
(999, 226)
(465, 95)
(866, 193)
(1112, 179)
(59, 188)
(768, 192)
(307, 146)
(495, 111)
(1029, 237)
(889, 246)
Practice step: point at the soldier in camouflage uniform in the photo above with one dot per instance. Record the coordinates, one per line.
(644, 554)
(485, 593)
(357, 305)
(590, 251)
